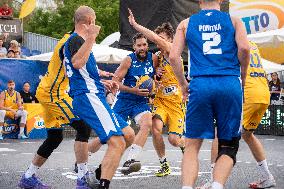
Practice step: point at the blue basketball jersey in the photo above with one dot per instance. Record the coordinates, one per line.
(136, 70)
(84, 80)
(212, 47)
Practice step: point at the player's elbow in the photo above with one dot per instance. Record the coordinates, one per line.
(77, 64)
(244, 49)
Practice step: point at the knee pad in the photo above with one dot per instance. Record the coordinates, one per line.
(229, 148)
(54, 138)
(83, 130)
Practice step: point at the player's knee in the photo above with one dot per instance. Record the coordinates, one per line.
(54, 138)
(25, 113)
(129, 135)
(2, 115)
(247, 135)
(229, 148)
(83, 131)
(174, 140)
(117, 143)
(144, 120)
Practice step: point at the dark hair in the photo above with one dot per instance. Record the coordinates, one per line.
(138, 36)
(166, 28)
(26, 82)
(11, 51)
(278, 80)
(11, 81)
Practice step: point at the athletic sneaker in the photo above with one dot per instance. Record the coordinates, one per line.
(130, 166)
(1, 137)
(22, 137)
(75, 168)
(164, 170)
(207, 185)
(268, 183)
(88, 182)
(98, 172)
(32, 183)
(182, 149)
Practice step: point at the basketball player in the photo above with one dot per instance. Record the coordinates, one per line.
(133, 102)
(219, 49)
(257, 98)
(87, 91)
(11, 106)
(168, 106)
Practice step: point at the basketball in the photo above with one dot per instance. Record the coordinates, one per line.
(146, 82)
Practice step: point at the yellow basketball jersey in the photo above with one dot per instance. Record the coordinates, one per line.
(170, 89)
(54, 84)
(256, 86)
(11, 101)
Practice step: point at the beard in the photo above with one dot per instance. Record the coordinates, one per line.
(142, 58)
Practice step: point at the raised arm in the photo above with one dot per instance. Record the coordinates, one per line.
(243, 47)
(80, 58)
(152, 36)
(175, 54)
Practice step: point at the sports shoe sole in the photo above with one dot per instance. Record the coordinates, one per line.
(134, 167)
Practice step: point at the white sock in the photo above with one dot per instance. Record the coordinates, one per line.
(134, 151)
(22, 129)
(1, 129)
(31, 170)
(217, 185)
(163, 159)
(82, 169)
(186, 187)
(212, 169)
(263, 170)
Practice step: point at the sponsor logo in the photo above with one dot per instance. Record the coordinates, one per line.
(259, 16)
(39, 123)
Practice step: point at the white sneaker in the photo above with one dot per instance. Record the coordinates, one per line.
(207, 185)
(22, 137)
(268, 183)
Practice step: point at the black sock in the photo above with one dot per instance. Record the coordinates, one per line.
(104, 184)
(98, 172)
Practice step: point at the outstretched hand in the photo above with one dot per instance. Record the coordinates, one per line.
(131, 18)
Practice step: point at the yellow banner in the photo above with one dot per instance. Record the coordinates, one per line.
(259, 15)
(35, 116)
(27, 8)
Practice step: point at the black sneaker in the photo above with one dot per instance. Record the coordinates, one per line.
(75, 168)
(182, 149)
(98, 172)
(130, 166)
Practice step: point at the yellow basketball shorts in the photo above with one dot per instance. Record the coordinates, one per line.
(171, 114)
(252, 115)
(58, 113)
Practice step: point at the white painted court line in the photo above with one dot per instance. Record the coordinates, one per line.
(7, 150)
(26, 153)
(57, 152)
(247, 162)
(4, 143)
(280, 165)
(20, 171)
(4, 172)
(51, 169)
(66, 168)
(270, 139)
(270, 164)
(28, 142)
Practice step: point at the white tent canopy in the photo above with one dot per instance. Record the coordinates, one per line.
(271, 38)
(111, 39)
(271, 67)
(102, 53)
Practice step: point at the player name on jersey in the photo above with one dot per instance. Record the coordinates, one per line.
(210, 28)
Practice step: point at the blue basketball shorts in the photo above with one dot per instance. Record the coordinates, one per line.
(93, 109)
(214, 97)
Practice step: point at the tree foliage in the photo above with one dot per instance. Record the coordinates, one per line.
(55, 23)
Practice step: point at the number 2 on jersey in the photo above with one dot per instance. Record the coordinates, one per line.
(212, 39)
